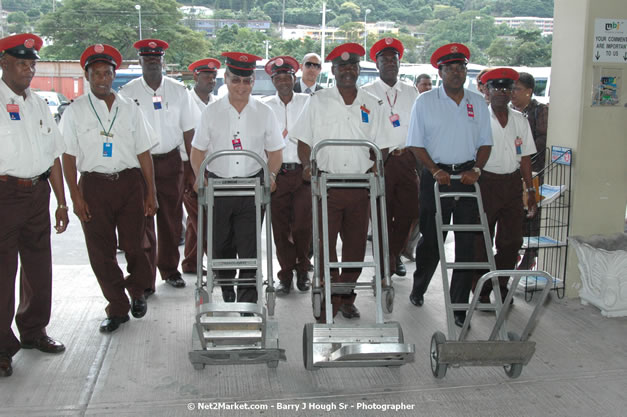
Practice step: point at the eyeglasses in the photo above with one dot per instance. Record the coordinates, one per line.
(313, 64)
(501, 89)
(238, 80)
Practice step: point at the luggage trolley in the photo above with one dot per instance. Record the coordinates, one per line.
(343, 345)
(234, 333)
(503, 348)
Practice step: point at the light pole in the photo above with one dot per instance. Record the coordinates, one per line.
(267, 42)
(472, 25)
(366, 33)
(324, 28)
(138, 7)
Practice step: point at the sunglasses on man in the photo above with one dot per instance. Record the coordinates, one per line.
(313, 64)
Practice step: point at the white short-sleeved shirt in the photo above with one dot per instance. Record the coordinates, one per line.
(450, 133)
(176, 115)
(397, 101)
(326, 116)
(504, 157)
(287, 115)
(28, 146)
(222, 127)
(200, 105)
(83, 134)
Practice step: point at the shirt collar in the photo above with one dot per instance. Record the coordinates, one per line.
(386, 87)
(149, 87)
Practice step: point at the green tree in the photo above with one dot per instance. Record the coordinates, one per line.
(79, 23)
(18, 22)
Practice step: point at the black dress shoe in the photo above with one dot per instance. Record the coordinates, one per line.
(176, 280)
(228, 296)
(417, 300)
(45, 344)
(302, 281)
(5, 365)
(459, 321)
(283, 289)
(139, 307)
(148, 292)
(400, 268)
(111, 324)
(349, 311)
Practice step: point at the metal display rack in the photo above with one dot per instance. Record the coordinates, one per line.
(554, 210)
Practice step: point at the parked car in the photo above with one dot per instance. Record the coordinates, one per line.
(57, 102)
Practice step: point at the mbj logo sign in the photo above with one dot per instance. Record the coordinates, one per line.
(612, 26)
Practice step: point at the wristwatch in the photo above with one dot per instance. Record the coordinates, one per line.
(477, 170)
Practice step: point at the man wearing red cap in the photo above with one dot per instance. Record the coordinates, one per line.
(501, 185)
(109, 142)
(205, 71)
(237, 121)
(345, 112)
(30, 146)
(291, 202)
(449, 132)
(166, 106)
(401, 179)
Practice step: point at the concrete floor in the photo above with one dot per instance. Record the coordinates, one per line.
(579, 368)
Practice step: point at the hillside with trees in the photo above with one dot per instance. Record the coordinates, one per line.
(423, 26)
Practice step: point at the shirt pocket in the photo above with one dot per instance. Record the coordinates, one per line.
(8, 146)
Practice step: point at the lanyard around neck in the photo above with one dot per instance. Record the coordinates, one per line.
(105, 131)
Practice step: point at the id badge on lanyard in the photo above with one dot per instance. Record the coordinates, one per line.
(156, 102)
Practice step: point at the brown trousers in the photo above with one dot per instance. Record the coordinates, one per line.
(190, 201)
(291, 223)
(24, 231)
(117, 205)
(402, 189)
(348, 217)
(164, 253)
(502, 203)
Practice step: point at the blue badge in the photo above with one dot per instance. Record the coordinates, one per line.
(364, 113)
(14, 111)
(107, 149)
(156, 102)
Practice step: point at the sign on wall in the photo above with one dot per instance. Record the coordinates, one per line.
(610, 41)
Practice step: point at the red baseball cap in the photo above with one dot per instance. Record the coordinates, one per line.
(347, 52)
(151, 47)
(283, 63)
(22, 46)
(241, 63)
(204, 65)
(453, 52)
(385, 44)
(101, 53)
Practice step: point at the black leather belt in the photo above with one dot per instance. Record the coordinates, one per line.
(464, 166)
(110, 177)
(25, 182)
(289, 166)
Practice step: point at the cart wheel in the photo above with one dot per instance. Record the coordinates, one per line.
(316, 300)
(270, 302)
(308, 347)
(198, 366)
(515, 369)
(273, 364)
(388, 300)
(438, 369)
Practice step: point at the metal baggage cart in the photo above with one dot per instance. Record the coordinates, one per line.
(343, 345)
(503, 348)
(237, 332)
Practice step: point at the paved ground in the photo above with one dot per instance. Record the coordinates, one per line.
(579, 369)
